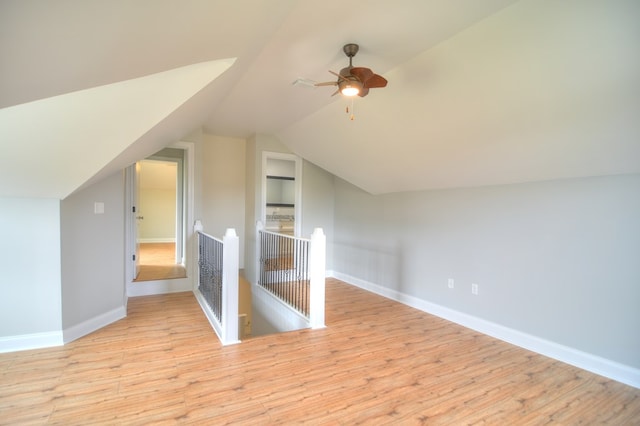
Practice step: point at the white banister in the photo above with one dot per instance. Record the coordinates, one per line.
(317, 261)
(217, 281)
(292, 271)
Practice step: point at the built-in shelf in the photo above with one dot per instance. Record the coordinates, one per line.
(281, 177)
(280, 191)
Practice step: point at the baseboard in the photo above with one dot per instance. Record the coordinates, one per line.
(150, 288)
(25, 342)
(157, 240)
(89, 326)
(595, 364)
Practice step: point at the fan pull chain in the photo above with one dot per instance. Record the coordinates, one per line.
(352, 117)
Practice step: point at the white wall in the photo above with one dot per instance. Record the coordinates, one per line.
(223, 187)
(30, 302)
(556, 260)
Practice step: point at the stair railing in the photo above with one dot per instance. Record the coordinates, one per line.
(292, 270)
(217, 282)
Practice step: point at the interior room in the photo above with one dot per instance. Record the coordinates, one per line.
(474, 166)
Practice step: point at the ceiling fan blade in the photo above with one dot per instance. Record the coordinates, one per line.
(362, 74)
(376, 81)
(327, 83)
(364, 92)
(338, 75)
(336, 92)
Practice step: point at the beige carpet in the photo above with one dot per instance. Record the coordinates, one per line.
(157, 262)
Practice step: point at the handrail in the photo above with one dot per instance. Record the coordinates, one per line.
(285, 235)
(292, 269)
(217, 282)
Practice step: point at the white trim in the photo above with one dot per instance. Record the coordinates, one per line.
(595, 364)
(25, 342)
(188, 196)
(129, 251)
(89, 326)
(150, 288)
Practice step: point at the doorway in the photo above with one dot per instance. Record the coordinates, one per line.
(160, 219)
(171, 273)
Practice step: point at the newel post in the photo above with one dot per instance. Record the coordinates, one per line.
(317, 260)
(230, 265)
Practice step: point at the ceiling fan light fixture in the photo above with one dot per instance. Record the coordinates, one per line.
(350, 88)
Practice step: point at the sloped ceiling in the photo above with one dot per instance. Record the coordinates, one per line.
(67, 138)
(539, 91)
(480, 92)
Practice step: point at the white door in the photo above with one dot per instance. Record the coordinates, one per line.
(132, 195)
(137, 216)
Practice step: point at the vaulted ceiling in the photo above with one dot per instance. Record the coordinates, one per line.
(480, 91)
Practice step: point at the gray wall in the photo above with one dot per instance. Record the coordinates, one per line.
(251, 216)
(223, 187)
(558, 260)
(318, 204)
(93, 276)
(30, 301)
(317, 198)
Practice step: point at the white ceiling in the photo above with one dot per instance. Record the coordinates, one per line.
(480, 91)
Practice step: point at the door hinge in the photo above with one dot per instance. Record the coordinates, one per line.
(134, 257)
(133, 209)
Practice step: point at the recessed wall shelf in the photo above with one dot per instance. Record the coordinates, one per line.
(281, 177)
(280, 205)
(280, 191)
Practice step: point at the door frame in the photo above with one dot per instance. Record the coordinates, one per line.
(164, 286)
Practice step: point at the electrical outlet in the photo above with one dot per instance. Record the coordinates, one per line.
(474, 288)
(450, 283)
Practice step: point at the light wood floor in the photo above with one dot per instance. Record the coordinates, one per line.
(377, 362)
(158, 262)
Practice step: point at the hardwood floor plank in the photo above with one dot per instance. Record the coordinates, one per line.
(158, 262)
(377, 362)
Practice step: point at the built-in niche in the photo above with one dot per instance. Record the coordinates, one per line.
(281, 187)
(281, 191)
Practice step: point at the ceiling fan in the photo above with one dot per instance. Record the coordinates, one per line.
(352, 80)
